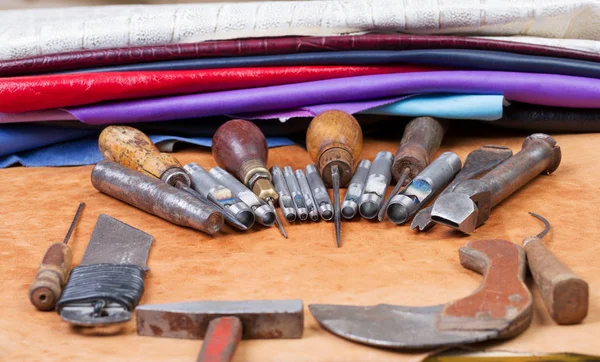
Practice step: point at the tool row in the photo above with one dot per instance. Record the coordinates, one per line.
(108, 284)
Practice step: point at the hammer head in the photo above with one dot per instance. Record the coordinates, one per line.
(261, 319)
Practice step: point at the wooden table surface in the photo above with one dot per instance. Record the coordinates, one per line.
(378, 262)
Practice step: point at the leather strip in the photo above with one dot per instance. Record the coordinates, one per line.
(24, 94)
(271, 46)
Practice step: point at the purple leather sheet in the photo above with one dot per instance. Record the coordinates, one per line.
(542, 89)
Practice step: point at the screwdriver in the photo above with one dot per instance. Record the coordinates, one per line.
(334, 141)
(53, 271)
(241, 149)
(422, 137)
(131, 148)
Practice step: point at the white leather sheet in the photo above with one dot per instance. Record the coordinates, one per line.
(25, 33)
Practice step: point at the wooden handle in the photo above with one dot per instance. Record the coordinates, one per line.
(502, 302)
(334, 138)
(51, 277)
(565, 294)
(221, 340)
(422, 137)
(236, 142)
(133, 149)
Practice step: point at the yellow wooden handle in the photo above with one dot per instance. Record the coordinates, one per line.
(133, 149)
(51, 277)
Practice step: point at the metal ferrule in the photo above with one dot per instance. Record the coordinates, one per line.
(311, 205)
(206, 185)
(285, 198)
(378, 180)
(319, 192)
(264, 214)
(423, 188)
(296, 193)
(355, 189)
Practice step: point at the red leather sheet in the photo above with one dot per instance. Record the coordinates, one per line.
(23, 94)
(269, 46)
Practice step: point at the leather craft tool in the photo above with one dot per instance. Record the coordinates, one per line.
(421, 139)
(131, 148)
(222, 323)
(109, 281)
(311, 204)
(423, 188)
(478, 162)
(234, 210)
(53, 271)
(296, 192)
(469, 205)
(288, 209)
(319, 192)
(241, 149)
(155, 197)
(565, 294)
(355, 189)
(334, 141)
(264, 214)
(475, 318)
(378, 180)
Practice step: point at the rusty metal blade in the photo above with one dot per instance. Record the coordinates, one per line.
(114, 242)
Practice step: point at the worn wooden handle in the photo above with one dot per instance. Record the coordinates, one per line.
(133, 149)
(51, 277)
(422, 137)
(221, 340)
(235, 143)
(502, 302)
(334, 138)
(565, 294)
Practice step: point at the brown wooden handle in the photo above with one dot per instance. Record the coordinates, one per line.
(133, 149)
(334, 138)
(422, 137)
(502, 302)
(235, 143)
(51, 277)
(565, 294)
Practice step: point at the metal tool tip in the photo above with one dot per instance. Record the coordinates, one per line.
(328, 215)
(546, 224)
(268, 219)
(348, 212)
(290, 217)
(368, 209)
(397, 213)
(314, 216)
(302, 214)
(246, 217)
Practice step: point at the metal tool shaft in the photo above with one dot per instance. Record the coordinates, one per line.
(319, 192)
(383, 209)
(264, 214)
(74, 222)
(378, 180)
(335, 178)
(423, 187)
(311, 205)
(234, 210)
(539, 154)
(155, 197)
(355, 189)
(296, 193)
(285, 198)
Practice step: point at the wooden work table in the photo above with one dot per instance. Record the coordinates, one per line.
(378, 262)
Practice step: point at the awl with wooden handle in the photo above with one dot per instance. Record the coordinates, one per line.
(565, 294)
(52, 274)
(334, 141)
(241, 149)
(421, 139)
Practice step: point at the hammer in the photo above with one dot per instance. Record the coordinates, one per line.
(222, 323)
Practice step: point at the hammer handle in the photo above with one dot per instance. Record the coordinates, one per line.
(221, 340)
(133, 149)
(565, 294)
